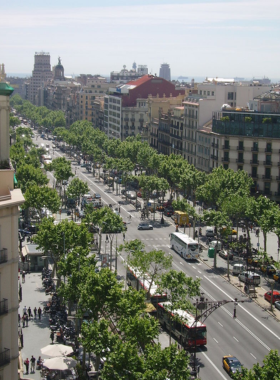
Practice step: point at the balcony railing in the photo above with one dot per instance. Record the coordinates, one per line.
(132, 119)
(4, 357)
(254, 176)
(214, 145)
(254, 162)
(126, 119)
(268, 150)
(239, 147)
(240, 160)
(268, 177)
(3, 255)
(214, 157)
(225, 159)
(141, 120)
(254, 149)
(132, 127)
(226, 147)
(267, 163)
(4, 306)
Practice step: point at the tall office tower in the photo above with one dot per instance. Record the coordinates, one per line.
(164, 71)
(41, 73)
(10, 200)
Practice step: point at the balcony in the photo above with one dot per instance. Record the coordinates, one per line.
(267, 177)
(141, 120)
(214, 157)
(132, 119)
(3, 255)
(132, 127)
(227, 147)
(254, 176)
(277, 193)
(254, 162)
(268, 163)
(215, 145)
(4, 357)
(239, 147)
(126, 119)
(240, 160)
(4, 306)
(225, 159)
(126, 127)
(268, 150)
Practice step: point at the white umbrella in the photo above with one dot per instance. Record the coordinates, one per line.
(57, 350)
(60, 364)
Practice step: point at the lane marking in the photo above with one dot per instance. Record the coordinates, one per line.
(236, 339)
(240, 323)
(199, 271)
(243, 308)
(181, 263)
(194, 267)
(220, 324)
(215, 340)
(216, 368)
(253, 355)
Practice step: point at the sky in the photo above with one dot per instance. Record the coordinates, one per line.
(208, 38)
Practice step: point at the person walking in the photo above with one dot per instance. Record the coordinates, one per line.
(19, 318)
(35, 312)
(52, 336)
(26, 363)
(123, 236)
(26, 320)
(29, 312)
(39, 313)
(24, 310)
(33, 361)
(23, 320)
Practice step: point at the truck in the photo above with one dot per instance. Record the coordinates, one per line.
(181, 218)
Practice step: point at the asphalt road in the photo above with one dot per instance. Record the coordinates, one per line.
(250, 336)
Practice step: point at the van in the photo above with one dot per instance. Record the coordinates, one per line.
(250, 278)
(215, 244)
(210, 231)
(237, 269)
(180, 218)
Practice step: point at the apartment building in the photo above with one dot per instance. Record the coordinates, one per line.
(125, 75)
(250, 141)
(126, 108)
(165, 72)
(10, 200)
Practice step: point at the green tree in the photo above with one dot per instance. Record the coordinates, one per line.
(40, 198)
(28, 175)
(77, 188)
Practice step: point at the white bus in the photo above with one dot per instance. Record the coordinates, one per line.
(185, 246)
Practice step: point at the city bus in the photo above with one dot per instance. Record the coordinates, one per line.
(184, 245)
(139, 281)
(182, 325)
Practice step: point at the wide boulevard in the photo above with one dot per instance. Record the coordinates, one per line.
(250, 336)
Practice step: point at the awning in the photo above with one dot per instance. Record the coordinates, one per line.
(31, 250)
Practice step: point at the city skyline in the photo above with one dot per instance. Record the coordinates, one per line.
(196, 38)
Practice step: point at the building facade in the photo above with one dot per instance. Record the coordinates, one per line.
(41, 73)
(10, 200)
(124, 75)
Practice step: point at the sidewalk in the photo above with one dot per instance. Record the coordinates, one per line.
(37, 334)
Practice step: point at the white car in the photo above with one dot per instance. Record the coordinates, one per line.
(145, 226)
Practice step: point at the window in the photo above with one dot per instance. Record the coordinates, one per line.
(254, 172)
(226, 144)
(267, 173)
(240, 157)
(267, 188)
(213, 93)
(255, 158)
(240, 145)
(255, 146)
(208, 93)
(225, 166)
(239, 167)
(268, 159)
(268, 147)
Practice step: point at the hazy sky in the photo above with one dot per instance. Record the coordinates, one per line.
(196, 37)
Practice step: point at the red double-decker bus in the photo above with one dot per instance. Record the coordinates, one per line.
(182, 324)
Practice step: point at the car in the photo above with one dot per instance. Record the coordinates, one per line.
(270, 269)
(145, 226)
(83, 165)
(277, 304)
(276, 276)
(225, 254)
(250, 278)
(231, 364)
(97, 196)
(275, 296)
(64, 182)
(168, 211)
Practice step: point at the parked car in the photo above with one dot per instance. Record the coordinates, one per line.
(270, 270)
(226, 254)
(145, 226)
(276, 276)
(275, 296)
(277, 304)
(231, 364)
(97, 196)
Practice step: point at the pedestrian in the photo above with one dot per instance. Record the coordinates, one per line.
(123, 236)
(26, 320)
(35, 311)
(24, 310)
(19, 318)
(26, 363)
(52, 336)
(23, 320)
(23, 277)
(33, 360)
(39, 313)
(29, 312)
